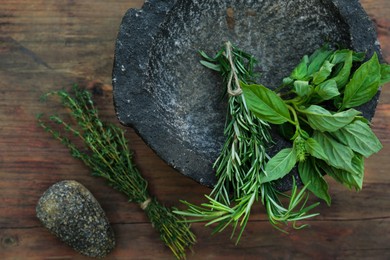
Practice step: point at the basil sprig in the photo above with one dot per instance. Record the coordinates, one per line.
(316, 104)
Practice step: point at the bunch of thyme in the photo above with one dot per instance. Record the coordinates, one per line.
(243, 157)
(105, 151)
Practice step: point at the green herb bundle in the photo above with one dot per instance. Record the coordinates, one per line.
(241, 163)
(105, 151)
(329, 136)
(314, 108)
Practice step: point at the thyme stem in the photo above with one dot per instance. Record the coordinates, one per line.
(105, 151)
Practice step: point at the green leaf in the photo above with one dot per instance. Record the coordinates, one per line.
(324, 72)
(358, 173)
(317, 59)
(340, 56)
(323, 120)
(279, 165)
(211, 66)
(302, 88)
(300, 71)
(287, 81)
(311, 176)
(364, 84)
(358, 176)
(349, 179)
(346, 57)
(359, 137)
(315, 149)
(385, 74)
(327, 90)
(339, 155)
(358, 56)
(265, 104)
(211, 59)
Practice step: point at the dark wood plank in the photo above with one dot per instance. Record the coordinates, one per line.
(46, 45)
(323, 240)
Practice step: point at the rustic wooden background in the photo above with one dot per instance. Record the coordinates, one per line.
(46, 45)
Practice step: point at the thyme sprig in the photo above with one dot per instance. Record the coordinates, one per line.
(104, 149)
(243, 157)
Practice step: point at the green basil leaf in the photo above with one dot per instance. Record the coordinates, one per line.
(349, 179)
(317, 59)
(363, 119)
(340, 56)
(338, 101)
(324, 72)
(358, 166)
(287, 81)
(300, 71)
(315, 149)
(358, 56)
(311, 176)
(327, 90)
(339, 155)
(343, 56)
(359, 137)
(323, 120)
(364, 84)
(265, 104)
(279, 165)
(385, 74)
(302, 88)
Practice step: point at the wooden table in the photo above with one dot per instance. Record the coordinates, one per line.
(46, 45)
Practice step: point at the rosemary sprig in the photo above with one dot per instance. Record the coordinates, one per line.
(243, 157)
(105, 151)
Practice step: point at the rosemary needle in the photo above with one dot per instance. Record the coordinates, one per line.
(105, 151)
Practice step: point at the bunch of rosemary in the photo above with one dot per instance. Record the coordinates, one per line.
(105, 151)
(242, 160)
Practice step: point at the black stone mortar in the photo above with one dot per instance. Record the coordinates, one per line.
(173, 102)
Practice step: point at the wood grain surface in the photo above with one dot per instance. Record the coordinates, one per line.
(47, 45)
